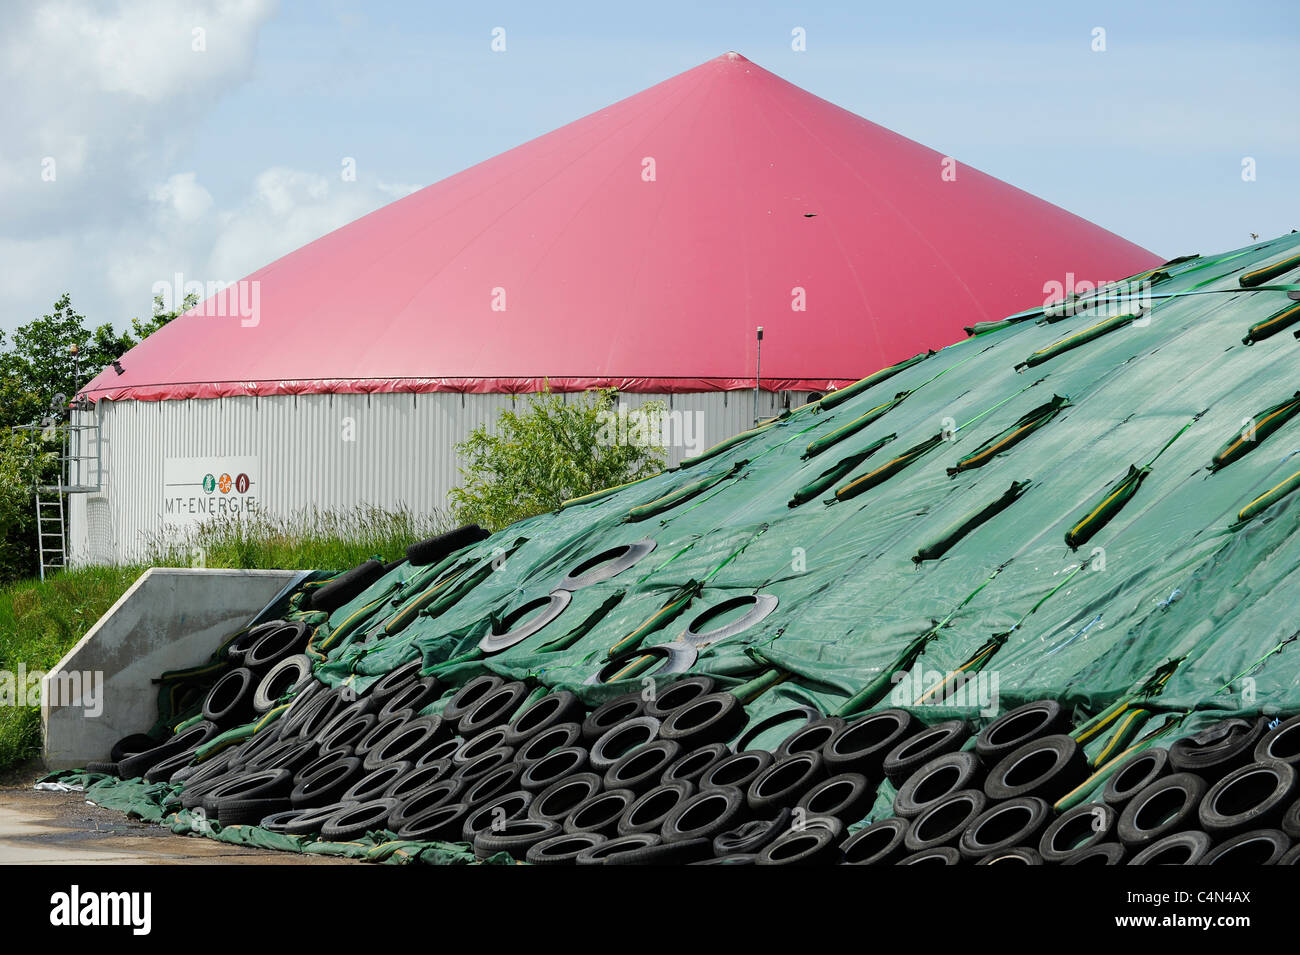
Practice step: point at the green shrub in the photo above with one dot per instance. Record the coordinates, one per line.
(537, 459)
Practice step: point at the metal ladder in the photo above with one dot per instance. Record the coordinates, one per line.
(78, 459)
(50, 513)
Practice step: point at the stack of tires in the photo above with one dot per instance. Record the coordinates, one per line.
(269, 666)
(1225, 796)
(673, 780)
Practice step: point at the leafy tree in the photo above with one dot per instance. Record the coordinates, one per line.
(23, 461)
(539, 458)
(38, 364)
(142, 328)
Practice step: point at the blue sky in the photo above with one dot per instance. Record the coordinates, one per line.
(211, 163)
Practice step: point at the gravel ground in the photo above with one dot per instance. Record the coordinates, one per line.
(59, 828)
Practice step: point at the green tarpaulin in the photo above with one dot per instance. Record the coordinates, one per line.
(1091, 504)
(1106, 418)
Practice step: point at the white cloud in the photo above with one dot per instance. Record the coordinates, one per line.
(182, 197)
(157, 50)
(184, 231)
(115, 95)
(112, 95)
(286, 209)
(101, 99)
(396, 190)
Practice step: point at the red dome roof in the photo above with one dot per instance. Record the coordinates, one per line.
(639, 247)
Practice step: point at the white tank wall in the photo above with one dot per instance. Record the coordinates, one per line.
(402, 454)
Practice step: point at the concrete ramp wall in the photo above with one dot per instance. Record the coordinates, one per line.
(171, 618)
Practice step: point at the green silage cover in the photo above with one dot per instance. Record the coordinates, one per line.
(154, 802)
(1171, 600)
(1175, 611)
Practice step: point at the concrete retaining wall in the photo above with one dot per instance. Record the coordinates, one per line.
(171, 618)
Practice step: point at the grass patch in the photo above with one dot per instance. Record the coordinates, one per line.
(41, 620)
(308, 540)
(39, 623)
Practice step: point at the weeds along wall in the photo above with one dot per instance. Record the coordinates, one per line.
(321, 451)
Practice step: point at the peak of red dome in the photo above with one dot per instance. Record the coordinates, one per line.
(640, 246)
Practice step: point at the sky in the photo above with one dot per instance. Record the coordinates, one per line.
(142, 140)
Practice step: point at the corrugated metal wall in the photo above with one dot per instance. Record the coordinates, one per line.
(400, 452)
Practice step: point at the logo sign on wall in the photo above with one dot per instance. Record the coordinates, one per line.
(206, 489)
